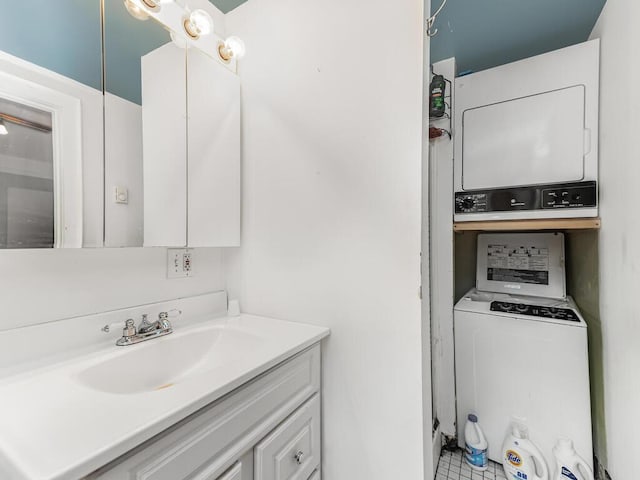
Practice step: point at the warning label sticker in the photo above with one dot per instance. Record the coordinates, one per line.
(518, 264)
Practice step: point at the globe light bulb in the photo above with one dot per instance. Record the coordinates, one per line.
(233, 47)
(236, 47)
(135, 10)
(198, 23)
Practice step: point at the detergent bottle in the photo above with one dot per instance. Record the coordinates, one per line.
(521, 459)
(475, 443)
(570, 465)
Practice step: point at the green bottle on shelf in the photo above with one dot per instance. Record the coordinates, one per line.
(436, 96)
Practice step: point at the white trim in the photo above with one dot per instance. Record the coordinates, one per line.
(442, 268)
(77, 136)
(437, 449)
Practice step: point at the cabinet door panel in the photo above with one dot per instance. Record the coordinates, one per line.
(164, 145)
(315, 475)
(213, 106)
(291, 451)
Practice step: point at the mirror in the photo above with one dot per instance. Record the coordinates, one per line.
(90, 97)
(134, 50)
(50, 124)
(172, 112)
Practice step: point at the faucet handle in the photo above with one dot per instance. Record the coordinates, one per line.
(163, 319)
(171, 313)
(129, 329)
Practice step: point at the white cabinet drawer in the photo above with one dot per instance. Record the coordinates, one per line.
(235, 473)
(204, 445)
(291, 451)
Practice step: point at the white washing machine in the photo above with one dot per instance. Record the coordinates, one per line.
(523, 356)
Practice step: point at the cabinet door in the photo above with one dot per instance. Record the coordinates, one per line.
(315, 475)
(164, 145)
(291, 451)
(213, 139)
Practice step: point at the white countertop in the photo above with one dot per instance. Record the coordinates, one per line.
(54, 427)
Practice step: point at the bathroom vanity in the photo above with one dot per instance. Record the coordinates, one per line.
(267, 429)
(230, 398)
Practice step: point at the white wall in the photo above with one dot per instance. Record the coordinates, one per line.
(332, 212)
(42, 285)
(620, 234)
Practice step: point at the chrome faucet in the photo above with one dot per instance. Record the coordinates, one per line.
(146, 330)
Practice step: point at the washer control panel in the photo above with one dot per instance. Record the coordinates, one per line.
(539, 197)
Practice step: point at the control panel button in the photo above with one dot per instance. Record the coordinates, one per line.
(468, 203)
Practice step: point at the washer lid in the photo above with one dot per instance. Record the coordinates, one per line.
(530, 264)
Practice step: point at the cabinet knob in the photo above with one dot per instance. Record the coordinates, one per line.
(298, 457)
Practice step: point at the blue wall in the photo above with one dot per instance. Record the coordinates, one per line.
(65, 36)
(61, 35)
(227, 5)
(126, 41)
(488, 33)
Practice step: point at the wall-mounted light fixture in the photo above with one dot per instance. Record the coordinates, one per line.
(3, 128)
(140, 9)
(233, 47)
(135, 10)
(197, 24)
(179, 40)
(153, 5)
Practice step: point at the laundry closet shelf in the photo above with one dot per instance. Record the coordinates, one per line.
(538, 224)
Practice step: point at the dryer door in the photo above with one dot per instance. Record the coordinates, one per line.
(526, 141)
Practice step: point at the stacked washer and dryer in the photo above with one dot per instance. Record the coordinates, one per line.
(526, 148)
(521, 346)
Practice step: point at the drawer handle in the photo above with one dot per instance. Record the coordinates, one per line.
(298, 457)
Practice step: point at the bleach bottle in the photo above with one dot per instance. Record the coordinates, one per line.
(476, 446)
(521, 459)
(570, 465)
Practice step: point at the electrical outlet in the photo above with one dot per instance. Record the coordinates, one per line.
(179, 263)
(187, 265)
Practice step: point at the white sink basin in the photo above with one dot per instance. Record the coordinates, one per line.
(163, 362)
(114, 399)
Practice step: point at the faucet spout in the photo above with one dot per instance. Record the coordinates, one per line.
(146, 326)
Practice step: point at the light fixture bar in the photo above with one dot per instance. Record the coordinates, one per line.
(25, 123)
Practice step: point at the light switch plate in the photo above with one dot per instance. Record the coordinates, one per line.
(179, 263)
(121, 195)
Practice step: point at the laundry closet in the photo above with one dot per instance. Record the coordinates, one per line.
(516, 333)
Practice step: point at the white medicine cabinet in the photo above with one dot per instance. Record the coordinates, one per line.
(191, 143)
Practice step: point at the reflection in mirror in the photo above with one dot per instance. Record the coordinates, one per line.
(26, 177)
(128, 41)
(50, 124)
(186, 142)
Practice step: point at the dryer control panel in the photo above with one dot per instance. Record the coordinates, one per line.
(538, 197)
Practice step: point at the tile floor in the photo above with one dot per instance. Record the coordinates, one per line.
(452, 466)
